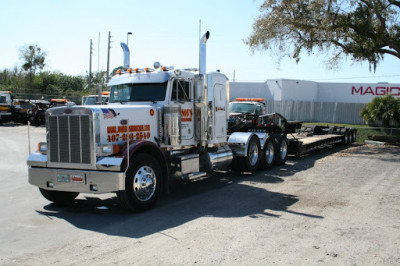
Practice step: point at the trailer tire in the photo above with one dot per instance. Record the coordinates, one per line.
(354, 136)
(281, 149)
(268, 154)
(143, 183)
(59, 197)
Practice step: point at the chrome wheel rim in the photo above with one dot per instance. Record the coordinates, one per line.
(144, 183)
(253, 153)
(269, 153)
(283, 150)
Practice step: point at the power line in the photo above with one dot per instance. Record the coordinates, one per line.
(383, 76)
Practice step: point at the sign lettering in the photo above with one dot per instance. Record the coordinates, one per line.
(375, 91)
(186, 115)
(131, 132)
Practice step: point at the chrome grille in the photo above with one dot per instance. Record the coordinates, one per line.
(69, 139)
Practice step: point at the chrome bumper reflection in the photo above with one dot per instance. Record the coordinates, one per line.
(93, 181)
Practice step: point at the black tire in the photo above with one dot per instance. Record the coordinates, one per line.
(143, 183)
(281, 150)
(249, 163)
(347, 138)
(59, 197)
(354, 136)
(268, 154)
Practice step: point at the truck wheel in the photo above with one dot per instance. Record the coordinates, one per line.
(347, 138)
(354, 136)
(268, 154)
(281, 150)
(249, 163)
(59, 197)
(143, 183)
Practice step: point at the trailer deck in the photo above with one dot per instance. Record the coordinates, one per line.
(299, 144)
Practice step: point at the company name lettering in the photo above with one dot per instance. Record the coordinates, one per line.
(378, 91)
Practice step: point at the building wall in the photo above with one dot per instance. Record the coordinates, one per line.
(324, 112)
(355, 92)
(311, 101)
(300, 90)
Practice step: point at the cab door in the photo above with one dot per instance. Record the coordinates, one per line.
(182, 94)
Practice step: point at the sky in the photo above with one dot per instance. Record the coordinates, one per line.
(164, 31)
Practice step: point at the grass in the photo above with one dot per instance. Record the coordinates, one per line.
(363, 131)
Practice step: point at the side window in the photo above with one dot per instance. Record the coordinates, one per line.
(258, 110)
(181, 91)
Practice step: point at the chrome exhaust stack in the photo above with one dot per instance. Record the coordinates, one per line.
(126, 55)
(202, 61)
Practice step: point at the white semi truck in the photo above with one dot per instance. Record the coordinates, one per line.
(160, 123)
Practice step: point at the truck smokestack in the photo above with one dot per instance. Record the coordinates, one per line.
(126, 55)
(203, 41)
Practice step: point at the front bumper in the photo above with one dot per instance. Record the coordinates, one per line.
(92, 181)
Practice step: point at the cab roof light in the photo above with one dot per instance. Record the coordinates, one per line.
(59, 100)
(250, 99)
(165, 68)
(129, 70)
(148, 69)
(119, 71)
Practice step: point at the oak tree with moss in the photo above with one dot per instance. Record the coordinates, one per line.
(364, 30)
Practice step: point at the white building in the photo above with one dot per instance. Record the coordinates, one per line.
(311, 91)
(311, 101)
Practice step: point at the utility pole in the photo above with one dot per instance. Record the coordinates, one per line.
(98, 54)
(90, 66)
(108, 56)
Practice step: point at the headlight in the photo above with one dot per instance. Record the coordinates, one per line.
(107, 149)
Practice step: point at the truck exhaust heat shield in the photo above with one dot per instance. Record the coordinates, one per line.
(203, 41)
(126, 55)
(172, 125)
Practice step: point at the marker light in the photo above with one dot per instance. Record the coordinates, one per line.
(129, 70)
(119, 71)
(250, 99)
(42, 147)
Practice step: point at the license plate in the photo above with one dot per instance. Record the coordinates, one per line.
(63, 178)
(70, 178)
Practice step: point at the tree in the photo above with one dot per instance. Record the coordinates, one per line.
(384, 109)
(33, 57)
(364, 30)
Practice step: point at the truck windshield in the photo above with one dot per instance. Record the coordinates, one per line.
(138, 92)
(92, 100)
(3, 99)
(236, 107)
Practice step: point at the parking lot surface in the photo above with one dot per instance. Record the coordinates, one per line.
(337, 206)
